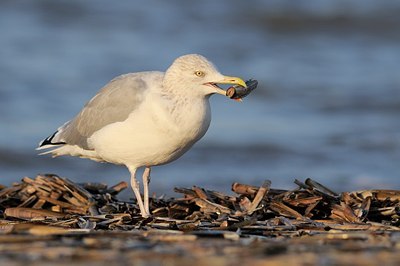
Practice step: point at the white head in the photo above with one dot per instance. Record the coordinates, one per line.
(193, 74)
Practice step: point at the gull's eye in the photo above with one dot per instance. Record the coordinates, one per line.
(200, 73)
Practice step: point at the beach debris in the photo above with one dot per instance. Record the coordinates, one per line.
(49, 218)
(254, 210)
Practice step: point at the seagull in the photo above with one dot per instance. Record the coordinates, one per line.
(143, 119)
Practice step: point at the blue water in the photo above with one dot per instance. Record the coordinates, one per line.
(327, 106)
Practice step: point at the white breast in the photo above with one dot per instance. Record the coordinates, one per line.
(157, 133)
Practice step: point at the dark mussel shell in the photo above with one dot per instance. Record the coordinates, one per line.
(239, 92)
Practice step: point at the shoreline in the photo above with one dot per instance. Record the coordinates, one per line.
(51, 219)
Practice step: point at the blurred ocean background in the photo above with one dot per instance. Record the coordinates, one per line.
(327, 105)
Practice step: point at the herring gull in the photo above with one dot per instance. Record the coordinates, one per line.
(144, 119)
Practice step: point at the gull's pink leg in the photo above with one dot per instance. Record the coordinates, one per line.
(146, 182)
(135, 188)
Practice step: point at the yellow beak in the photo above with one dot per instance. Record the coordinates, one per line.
(230, 80)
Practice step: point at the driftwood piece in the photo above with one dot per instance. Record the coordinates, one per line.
(322, 189)
(210, 207)
(201, 193)
(117, 188)
(284, 210)
(262, 191)
(29, 213)
(243, 189)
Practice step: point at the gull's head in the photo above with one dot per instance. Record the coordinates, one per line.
(195, 75)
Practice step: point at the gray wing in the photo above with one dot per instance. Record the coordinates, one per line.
(113, 103)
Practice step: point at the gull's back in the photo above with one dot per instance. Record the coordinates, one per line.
(113, 103)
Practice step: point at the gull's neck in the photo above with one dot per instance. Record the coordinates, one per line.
(190, 113)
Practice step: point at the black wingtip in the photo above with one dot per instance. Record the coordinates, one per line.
(47, 141)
